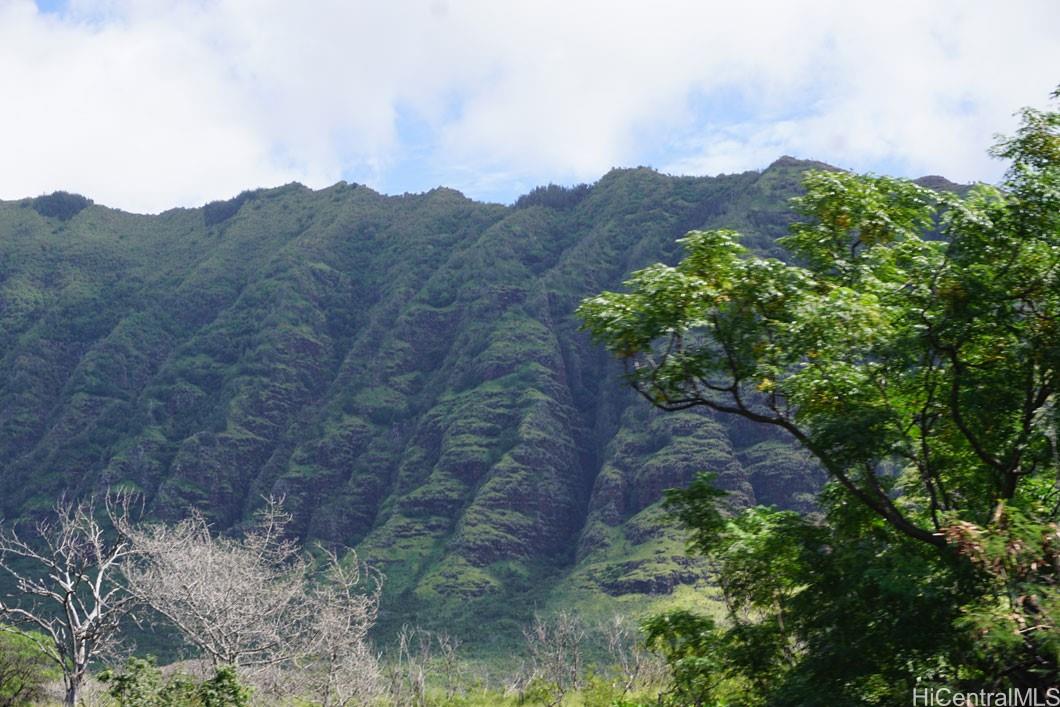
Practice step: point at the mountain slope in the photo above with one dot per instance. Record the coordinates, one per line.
(406, 371)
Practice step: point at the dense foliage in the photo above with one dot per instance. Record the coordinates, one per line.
(911, 344)
(24, 670)
(217, 211)
(553, 196)
(140, 683)
(61, 205)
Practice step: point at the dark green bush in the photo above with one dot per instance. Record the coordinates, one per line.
(60, 204)
(141, 684)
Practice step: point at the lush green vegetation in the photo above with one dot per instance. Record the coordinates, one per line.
(59, 205)
(910, 343)
(406, 371)
(24, 670)
(141, 684)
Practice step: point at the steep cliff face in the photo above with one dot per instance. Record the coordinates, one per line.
(406, 371)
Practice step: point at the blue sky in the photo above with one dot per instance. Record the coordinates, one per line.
(148, 104)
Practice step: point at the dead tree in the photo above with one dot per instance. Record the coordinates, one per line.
(337, 666)
(250, 602)
(556, 647)
(406, 669)
(416, 654)
(631, 663)
(65, 580)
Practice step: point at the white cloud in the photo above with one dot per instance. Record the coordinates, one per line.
(918, 87)
(146, 104)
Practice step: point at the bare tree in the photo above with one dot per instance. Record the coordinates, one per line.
(631, 662)
(416, 654)
(337, 665)
(449, 663)
(65, 577)
(556, 665)
(556, 648)
(251, 603)
(235, 599)
(406, 669)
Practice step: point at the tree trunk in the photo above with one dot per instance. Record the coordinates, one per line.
(74, 681)
(73, 692)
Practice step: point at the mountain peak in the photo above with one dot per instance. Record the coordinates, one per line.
(789, 162)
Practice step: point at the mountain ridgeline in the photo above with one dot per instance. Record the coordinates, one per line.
(406, 371)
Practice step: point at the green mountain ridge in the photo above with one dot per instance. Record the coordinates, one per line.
(405, 370)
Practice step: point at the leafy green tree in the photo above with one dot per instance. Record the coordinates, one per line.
(690, 645)
(24, 670)
(141, 684)
(137, 685)
(846, 611)
(224, 690)
(911, 343)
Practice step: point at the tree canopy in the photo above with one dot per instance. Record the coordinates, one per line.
(911, 344)
(910, 341)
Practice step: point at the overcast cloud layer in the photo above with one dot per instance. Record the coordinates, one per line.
(144, 104)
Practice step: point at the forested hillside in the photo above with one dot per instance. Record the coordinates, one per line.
(406, 371)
